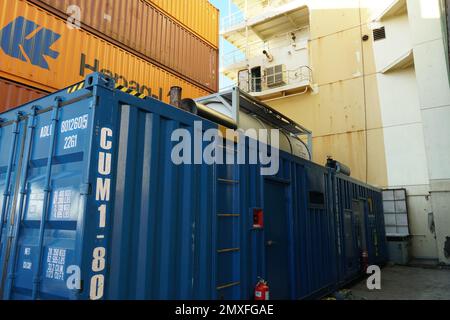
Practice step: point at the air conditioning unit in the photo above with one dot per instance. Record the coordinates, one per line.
(276, 76)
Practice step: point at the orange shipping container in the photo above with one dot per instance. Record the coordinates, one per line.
(198, 15)
(40, 50)
(140, 27)
(13, 95)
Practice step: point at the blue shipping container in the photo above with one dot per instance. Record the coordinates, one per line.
(302, 251)
(94, 208)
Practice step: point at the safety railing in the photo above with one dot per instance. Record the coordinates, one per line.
(252, 8)
(232, 20)
(300, 76)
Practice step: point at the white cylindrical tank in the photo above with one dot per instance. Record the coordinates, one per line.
(288, 143)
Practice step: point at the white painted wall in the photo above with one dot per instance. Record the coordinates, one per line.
(406, 154)
(434, 95)
(403, 130)
(406, 158)
(284, 52)
(397, 43)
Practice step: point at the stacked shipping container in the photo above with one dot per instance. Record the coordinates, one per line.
(198, 15)
(14, 94)
(135, 42)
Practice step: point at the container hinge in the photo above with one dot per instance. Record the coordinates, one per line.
(86, 189)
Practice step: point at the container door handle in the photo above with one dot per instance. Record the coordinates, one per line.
(270, 243)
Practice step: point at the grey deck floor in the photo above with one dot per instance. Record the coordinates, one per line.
(407, 283)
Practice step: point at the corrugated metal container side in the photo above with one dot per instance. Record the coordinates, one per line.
(140, 27)
(296, 250)
(306, 249)
(359, 210)
(91, 191)
(13, 94)
(198, 15)
(39, 50)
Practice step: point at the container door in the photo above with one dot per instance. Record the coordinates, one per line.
(11, 141)
(244, 80)
(43, 255)
(277, 241)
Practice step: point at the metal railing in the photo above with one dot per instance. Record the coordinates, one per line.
(301, 75)
(232, 20)
(253, 7)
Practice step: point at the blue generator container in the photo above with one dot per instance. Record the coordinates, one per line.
(313, 239)
(93, 207)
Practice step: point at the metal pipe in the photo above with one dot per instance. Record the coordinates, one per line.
(175, 95)
(208, 113)
(339, 167)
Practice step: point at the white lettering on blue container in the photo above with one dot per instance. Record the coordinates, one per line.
(56, 260)
(70, 125)
(79, 123)
(102, 196)
(46, 131)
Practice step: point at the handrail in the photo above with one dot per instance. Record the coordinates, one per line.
(235, 18)
(296, 76)
(232, 20)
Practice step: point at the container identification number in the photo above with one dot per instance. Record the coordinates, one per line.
(70, 142)
(102, 196)
(79, 123)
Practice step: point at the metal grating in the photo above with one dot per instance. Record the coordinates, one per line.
(379, 34)
(396, 213)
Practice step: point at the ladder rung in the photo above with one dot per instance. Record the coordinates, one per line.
(228, 285)
(231, 215)
(228, 250)
(228, 181)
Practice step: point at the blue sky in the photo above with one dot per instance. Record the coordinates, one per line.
(225, 46)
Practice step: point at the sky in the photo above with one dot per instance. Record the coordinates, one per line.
(225, 46)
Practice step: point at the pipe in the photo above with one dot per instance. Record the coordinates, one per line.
(268, 55)
(208, 113)
(339, 167)
(175, 94)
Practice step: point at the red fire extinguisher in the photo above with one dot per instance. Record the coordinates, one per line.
(262, 291)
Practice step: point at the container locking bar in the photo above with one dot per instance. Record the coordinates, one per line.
(47, 192)
(7, 194)
(19, 215)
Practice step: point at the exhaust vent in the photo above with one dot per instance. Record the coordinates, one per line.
(379, 34)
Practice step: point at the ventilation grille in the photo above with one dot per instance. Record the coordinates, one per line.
(276, 75)
(379, 34)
